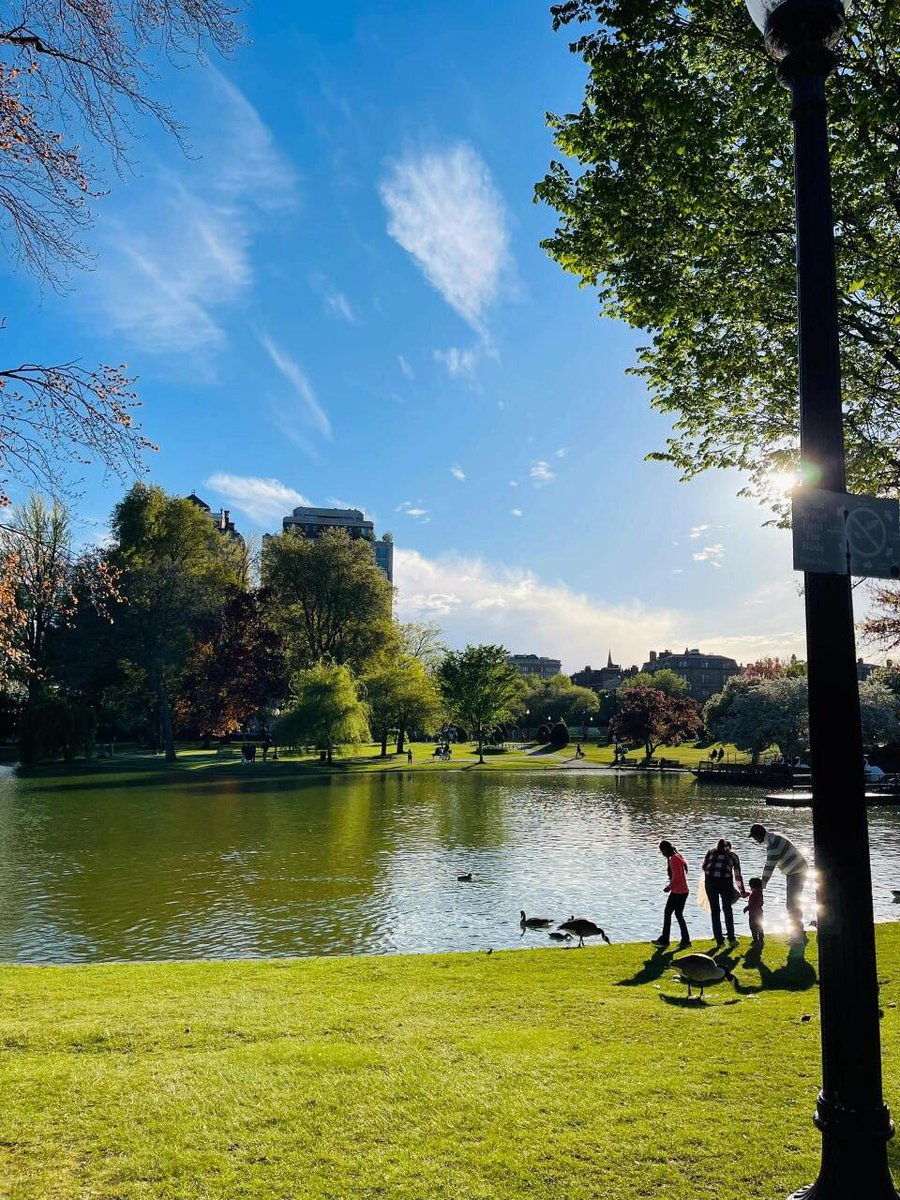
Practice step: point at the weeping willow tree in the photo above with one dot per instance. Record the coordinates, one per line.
(324, 710)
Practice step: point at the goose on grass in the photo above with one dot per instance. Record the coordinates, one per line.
(583, 928)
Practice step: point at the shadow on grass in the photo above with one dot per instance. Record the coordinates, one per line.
(685, 1001)
(796, 975)
(654, 968)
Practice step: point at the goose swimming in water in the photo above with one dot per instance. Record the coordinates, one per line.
(583, 928)
(533, 922)
(699, 970)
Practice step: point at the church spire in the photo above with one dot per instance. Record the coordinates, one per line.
(609, 661)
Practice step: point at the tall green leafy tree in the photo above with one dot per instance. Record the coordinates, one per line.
(176, 570)
(324, 709)
(675, 202)
(400, 695)
(560, 699)
(329, 598)
(481, 689)
(665, 680)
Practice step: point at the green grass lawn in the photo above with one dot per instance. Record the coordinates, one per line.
(530, 757)
(556, 1073)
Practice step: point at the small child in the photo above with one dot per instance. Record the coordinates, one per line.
(755, 908)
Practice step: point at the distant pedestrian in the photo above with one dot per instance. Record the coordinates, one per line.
(409, 757)
(677, 887)
(722, 870)
(266, 743)
(755, 910)
(783, 854)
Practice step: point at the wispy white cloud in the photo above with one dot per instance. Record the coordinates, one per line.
(699, 530)
(710, 554)
(261, 499)
(408, 509)
(478, 601)
(516, 512)
(457, 362)
(561, 452)
(514, 483)
(310, 413)
(445, 211)
(405, 367)
(541, 473)
(334, 302)
(457, 472)
(177, 255)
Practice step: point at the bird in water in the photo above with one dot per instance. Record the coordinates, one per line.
(700, 970)
(896, 895)
(464, 878)
(533, 922)
(560, 937)
(583, 928)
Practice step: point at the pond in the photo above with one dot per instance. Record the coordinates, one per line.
(135, 867)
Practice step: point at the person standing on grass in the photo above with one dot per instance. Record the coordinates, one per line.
(755, 910)
(677, 887)
(721, 872)
(783, 854)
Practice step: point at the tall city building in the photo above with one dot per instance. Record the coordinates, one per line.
(311, 522)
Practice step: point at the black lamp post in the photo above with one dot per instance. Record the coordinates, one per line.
(851, 1113)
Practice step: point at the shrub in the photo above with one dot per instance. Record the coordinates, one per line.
(559, 735)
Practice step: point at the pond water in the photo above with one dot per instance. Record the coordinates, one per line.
(114, 867)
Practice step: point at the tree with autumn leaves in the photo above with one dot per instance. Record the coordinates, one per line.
(235, 670)
(651, 718)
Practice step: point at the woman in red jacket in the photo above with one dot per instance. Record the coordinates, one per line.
(677, 888)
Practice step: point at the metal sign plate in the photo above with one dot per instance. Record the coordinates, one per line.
(835, 533)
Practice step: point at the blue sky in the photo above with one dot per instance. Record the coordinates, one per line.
(337, 295)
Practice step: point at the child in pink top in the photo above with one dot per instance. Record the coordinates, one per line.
(677, 888)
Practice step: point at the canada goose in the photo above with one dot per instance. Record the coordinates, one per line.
(583, 928)
(533, 922)
(699, 970)
(896, 895)
(464, 878)
(560, 937)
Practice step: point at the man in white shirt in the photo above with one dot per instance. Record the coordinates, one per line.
(783, 854)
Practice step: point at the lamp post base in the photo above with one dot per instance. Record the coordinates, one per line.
(854, 1154)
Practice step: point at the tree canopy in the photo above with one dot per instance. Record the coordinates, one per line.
(329, 597)
(324, 709)
(558, 698)
(665, 680)
(678, 208)
(650, 718)
(481, 689)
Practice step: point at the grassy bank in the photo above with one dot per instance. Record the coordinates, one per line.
(368, 759)
(555, 1073)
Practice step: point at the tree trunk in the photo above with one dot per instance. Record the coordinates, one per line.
(329, 761)
(165, 717)
(384, 738)
(480, 746)
(401, 736)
